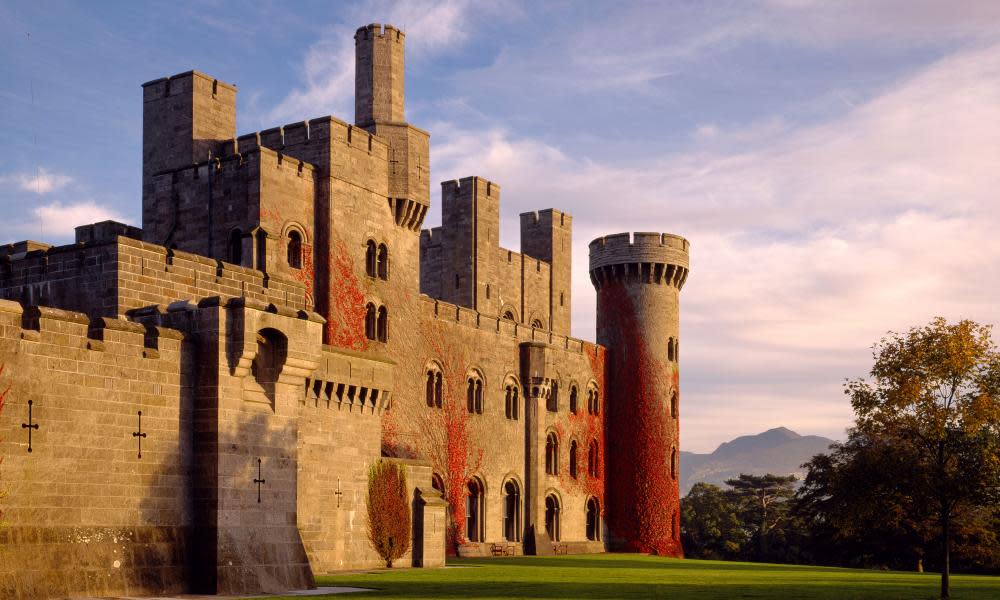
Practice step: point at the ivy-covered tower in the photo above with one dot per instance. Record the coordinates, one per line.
(638, 279)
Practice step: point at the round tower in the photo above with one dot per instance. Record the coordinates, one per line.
(638, 278)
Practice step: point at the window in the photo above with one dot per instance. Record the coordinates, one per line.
(593, 519)
(433, 392)
(458, 281)
(437, 483)
(537, 324)
(551, 454)
(512, 511)
(573, 408)
(552, 517)
(670, 350)
(593, 460)
(511, 399)
(572, 459)
(487, 291)
(294, 249)
(370, 258)
(552, 402)
(235, 247)
(382, 325)
(509, 316)
(593, 401)
(561, 298)
(673, 404)
(474, 508)
(370, 321)
(673, 463)
(382, 262)
(474, 394)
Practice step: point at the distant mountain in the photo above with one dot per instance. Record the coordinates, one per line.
(780, 451)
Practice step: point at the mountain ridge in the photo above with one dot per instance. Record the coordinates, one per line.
(778, 450)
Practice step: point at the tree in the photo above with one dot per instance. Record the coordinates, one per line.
(389, 527)
(710, 527)
(762, 503)
(935, 390)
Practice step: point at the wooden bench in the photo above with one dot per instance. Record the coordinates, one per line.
(560, 548)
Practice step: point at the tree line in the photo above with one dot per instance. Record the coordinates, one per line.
(915, 485)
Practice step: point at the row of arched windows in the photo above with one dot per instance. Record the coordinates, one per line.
(593, 403)
(474, 392)
(475, 512)
(376, 260)
(552, 457)
(376, 323)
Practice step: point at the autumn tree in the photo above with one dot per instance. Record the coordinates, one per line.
(762, 503)
(934, 392)
(389, 526)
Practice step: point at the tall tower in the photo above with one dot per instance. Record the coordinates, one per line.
(638, 279)
(379, 76)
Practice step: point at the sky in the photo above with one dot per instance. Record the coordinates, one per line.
(835, 165)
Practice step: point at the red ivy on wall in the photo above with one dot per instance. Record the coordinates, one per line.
(345, 323)
(643, 498)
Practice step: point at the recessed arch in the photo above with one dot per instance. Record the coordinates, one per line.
(593, 518)
(475, 386)
(512, 508)
(552, 452)
(475, 509)
(512, 397)
(553, 517)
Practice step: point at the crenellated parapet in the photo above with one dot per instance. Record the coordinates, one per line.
(641, 257)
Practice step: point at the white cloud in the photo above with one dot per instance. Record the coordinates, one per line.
(40, 182)
(808, 242)
(56, 221)
(328, 67)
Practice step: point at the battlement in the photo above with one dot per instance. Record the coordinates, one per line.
(320, 130)
(378, 30)
(642, 257)
(465, 187)
(546, 219)
(181, 83)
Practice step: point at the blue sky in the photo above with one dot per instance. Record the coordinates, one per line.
(834, 164)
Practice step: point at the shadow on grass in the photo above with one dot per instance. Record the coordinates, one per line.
(650, 563)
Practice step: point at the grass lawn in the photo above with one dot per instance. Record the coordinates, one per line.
(637, 576)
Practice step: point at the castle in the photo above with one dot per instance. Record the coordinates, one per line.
(194, 405)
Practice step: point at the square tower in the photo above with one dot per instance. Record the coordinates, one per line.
(379, 75)
(548, 236)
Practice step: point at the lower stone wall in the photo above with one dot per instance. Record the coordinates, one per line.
(83, 513)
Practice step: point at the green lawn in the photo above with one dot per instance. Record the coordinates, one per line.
(637, 576)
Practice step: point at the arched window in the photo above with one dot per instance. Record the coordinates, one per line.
(670, 350)
(370, 258)
(370, 321)
(593, 519)
(512, 511)
(235, 247)
(573, 408)
(508, 315)
(673, 463)
(537, 324)
(593, 460)
(552, 510)
(593, 401)
(382, 262)
(382, 325)
(294, 249)
(673, 404)
(272, 350)
(572, 459)
(511, 399)
(475, 506)
(433, 392)
(474, 394)
(487, 291)
(437, 483)
(552, 454)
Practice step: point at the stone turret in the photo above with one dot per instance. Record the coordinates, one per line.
(638, 279)
(379, 78)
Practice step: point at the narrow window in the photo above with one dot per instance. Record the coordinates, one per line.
(475, 506)
(437, 390)
(382, 262)
(437, 482)
(512, 512)
(573, 408)
(537, 324)
(561, 298)
(670, 350)
(487, 291)
(458, 281)
(294, 250)
(509, 316)
(552, 402)
(370, 321)
(370, 258)
(382, 326)
(552, 517)
(673, 404)
(470, 396)
(593, 458)
(673, 463)
(479, 397)
(430, 388)
(552, 454)
(572, 459)
(593, 520)
(235, 250)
